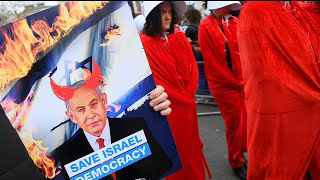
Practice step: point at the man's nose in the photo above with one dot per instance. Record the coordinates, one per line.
(90, 113)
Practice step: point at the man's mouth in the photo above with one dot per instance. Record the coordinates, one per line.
(93, 123)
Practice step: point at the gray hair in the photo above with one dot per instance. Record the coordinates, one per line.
(77, 85)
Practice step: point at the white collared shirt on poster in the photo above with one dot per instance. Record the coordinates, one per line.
(105, 135)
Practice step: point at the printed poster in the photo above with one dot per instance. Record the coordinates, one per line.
(75, 84)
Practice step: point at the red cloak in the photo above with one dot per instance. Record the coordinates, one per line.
(313, 10)
(226, 85)
(279, 53)
(174, 67)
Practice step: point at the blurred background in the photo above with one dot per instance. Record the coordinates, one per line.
(13, 10)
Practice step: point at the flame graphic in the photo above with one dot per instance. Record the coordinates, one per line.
(112, 32)
(8, 104)
(38, 155)
(22, 47)
(17, 113)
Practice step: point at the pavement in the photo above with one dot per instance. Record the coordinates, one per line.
(213, 133)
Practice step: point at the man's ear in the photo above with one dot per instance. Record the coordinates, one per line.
(104, 99)
(71, 117)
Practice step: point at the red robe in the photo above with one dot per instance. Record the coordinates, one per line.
(280, 58)
(225, 85)
(174, 67)
(313, 10)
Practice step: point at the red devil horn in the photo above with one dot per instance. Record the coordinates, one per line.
(95, 78)
(62, 92)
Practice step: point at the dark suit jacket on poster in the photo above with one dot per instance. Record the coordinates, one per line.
(151, 167)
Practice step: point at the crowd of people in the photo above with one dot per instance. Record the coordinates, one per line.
(262, 68)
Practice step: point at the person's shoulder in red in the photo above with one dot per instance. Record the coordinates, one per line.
(313, 9)
(145, 39)
(178, 37)
(257, 7)
(261, 13)
(206, 21)
(308, 6)
(178, 32)
(234, 19)
(144, 36)
(206, 26)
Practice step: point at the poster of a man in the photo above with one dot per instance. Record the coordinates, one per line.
(86, 87)
(87, 106)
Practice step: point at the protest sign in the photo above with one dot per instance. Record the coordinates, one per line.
(75, 84)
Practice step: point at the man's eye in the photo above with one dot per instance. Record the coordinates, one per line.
(81, 110)
(94, 103)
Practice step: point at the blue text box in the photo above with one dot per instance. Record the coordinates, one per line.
(115, 164)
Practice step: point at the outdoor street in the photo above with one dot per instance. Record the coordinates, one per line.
(212, 131)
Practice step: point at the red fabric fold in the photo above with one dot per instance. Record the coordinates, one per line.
(211, 40)
(226, 85)
(313, 10)
(279, 53)
(174, 67)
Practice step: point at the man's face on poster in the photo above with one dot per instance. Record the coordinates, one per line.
(88, 110)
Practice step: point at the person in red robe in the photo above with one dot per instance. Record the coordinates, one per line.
(173, 66)
(219, 46)
(279, 48)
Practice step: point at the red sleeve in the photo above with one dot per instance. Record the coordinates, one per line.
(216, 70)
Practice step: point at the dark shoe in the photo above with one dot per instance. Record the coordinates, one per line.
(241, 172)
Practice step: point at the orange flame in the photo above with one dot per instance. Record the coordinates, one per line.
(8, 104)
(17, 112)
(109, 36)
(17, 115)
(38, 155)
(20, 52)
